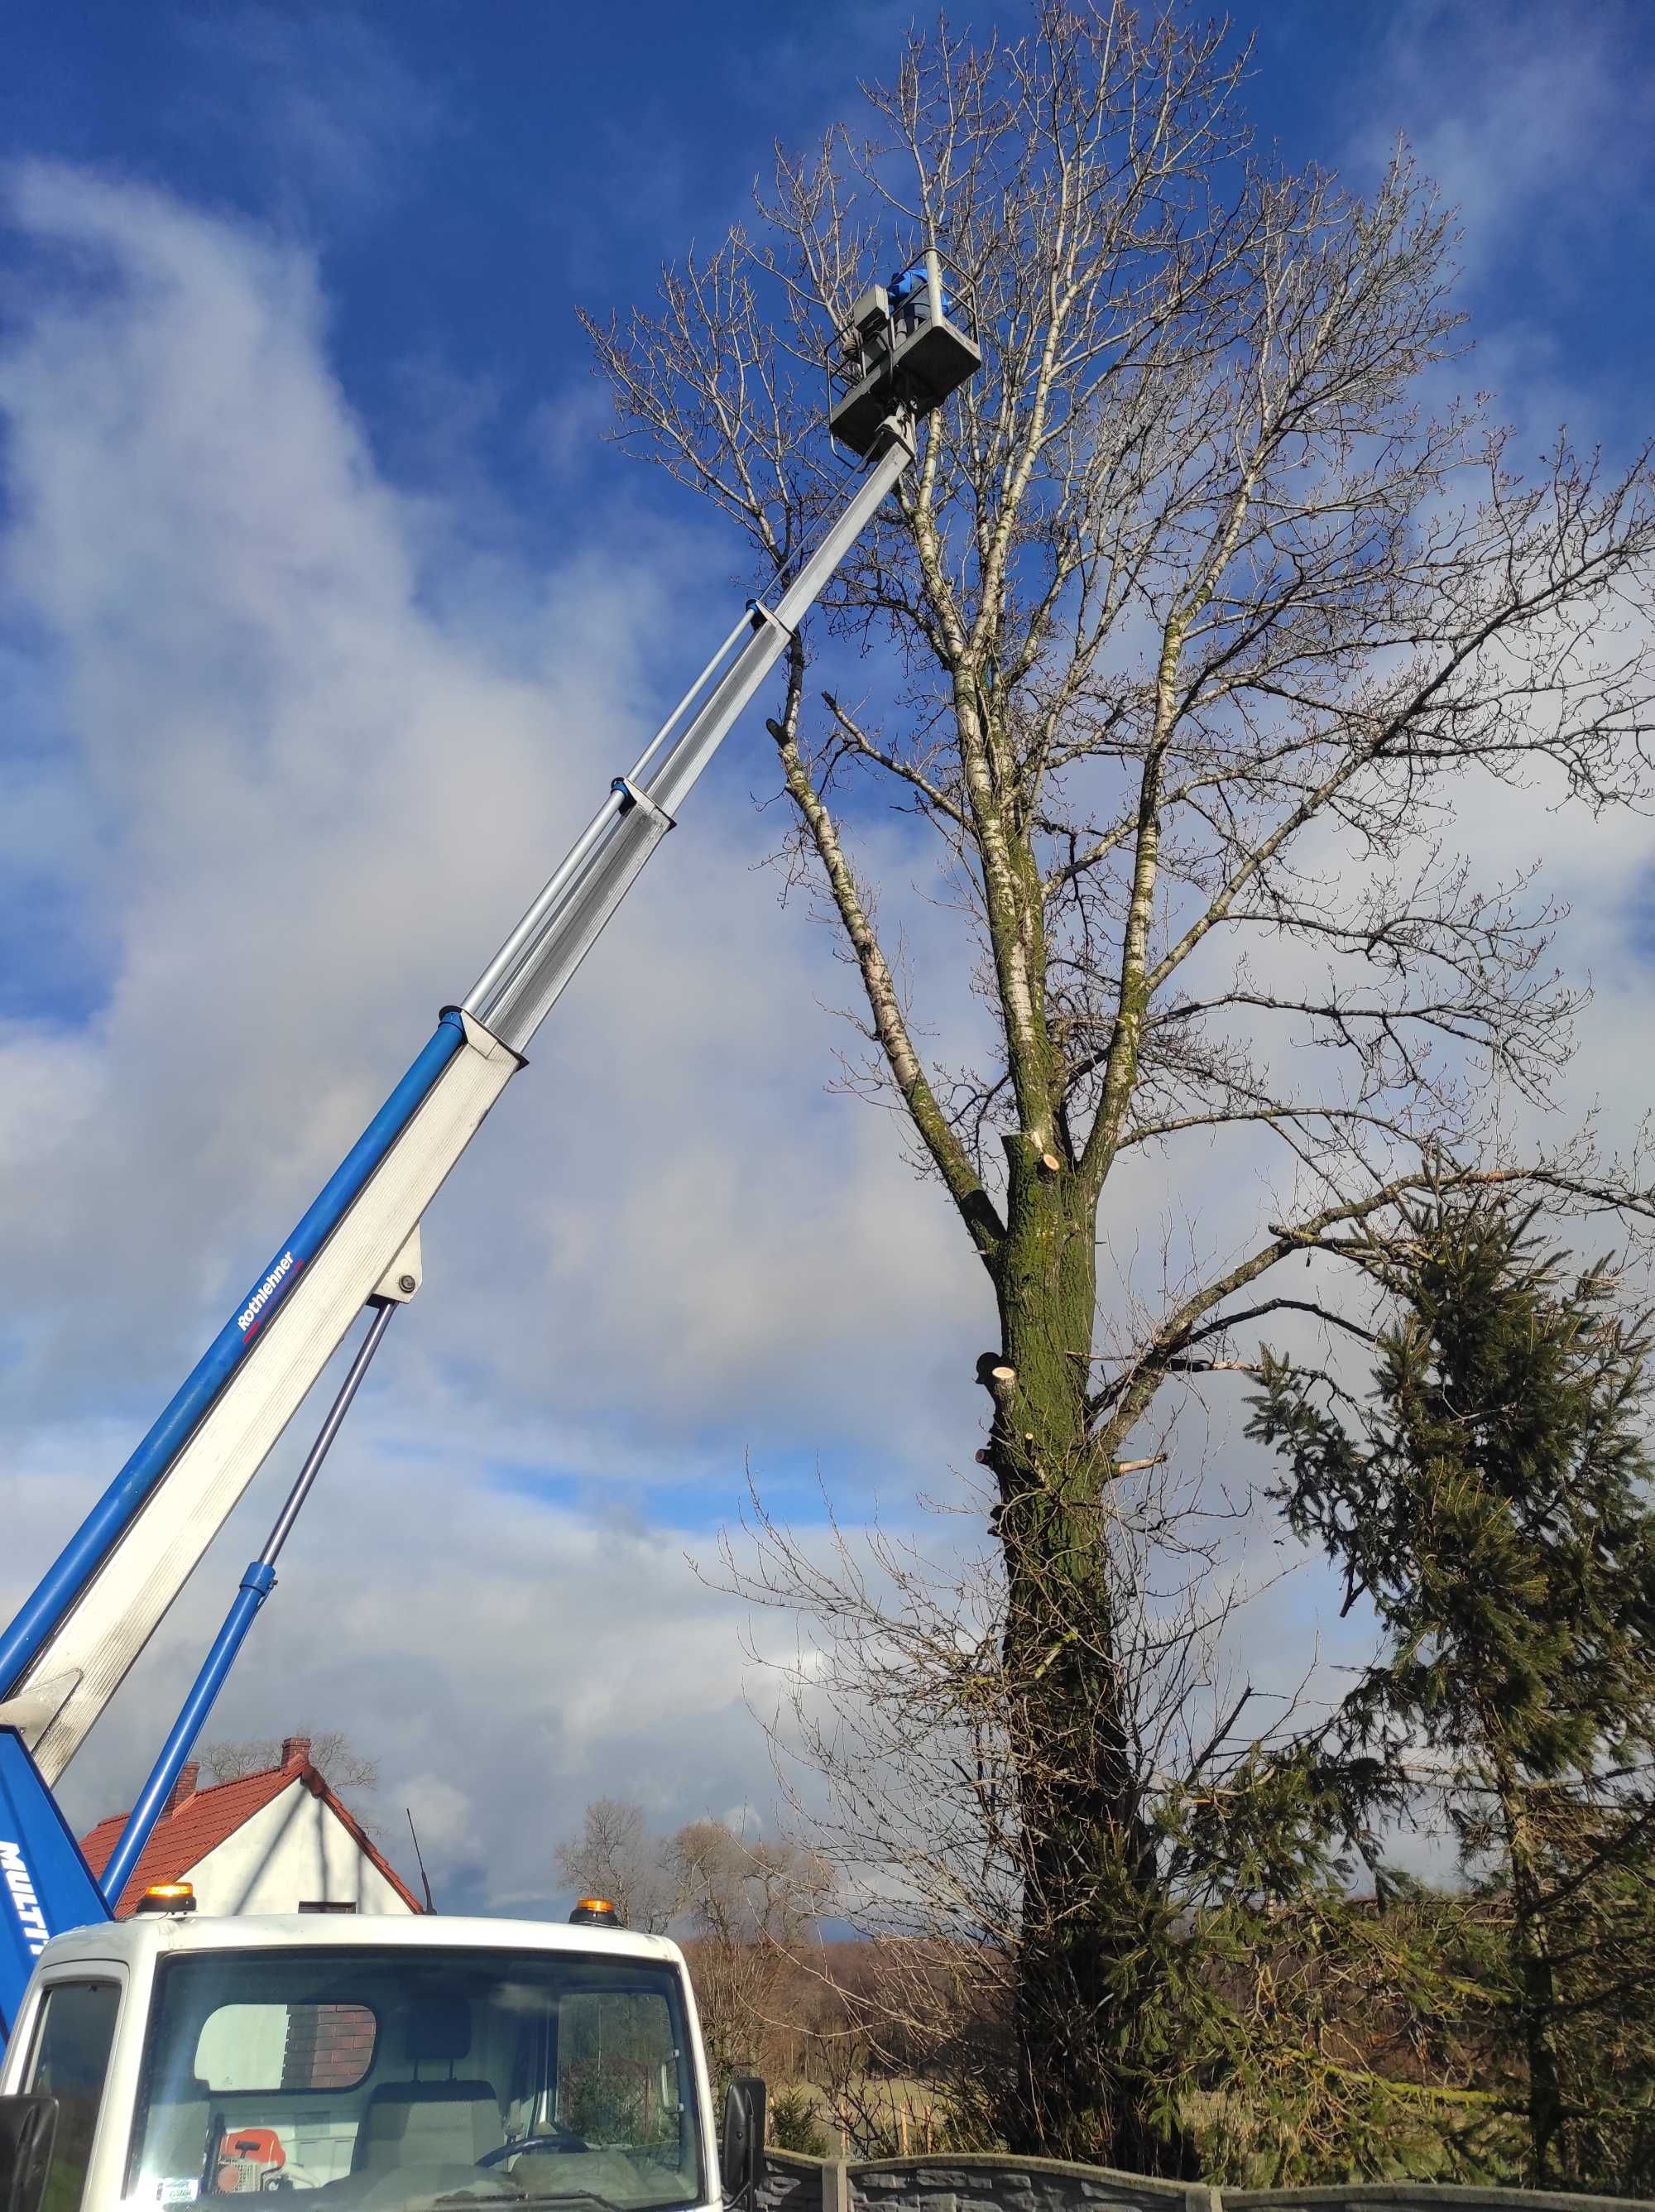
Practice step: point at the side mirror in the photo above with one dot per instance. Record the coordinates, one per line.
(29, 2129)
(741, 2145)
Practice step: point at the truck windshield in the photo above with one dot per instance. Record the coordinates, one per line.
(401, 2078)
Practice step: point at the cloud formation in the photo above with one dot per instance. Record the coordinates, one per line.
(289, 745)
(314, 765)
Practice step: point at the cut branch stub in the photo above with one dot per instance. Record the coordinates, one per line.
(999, 1378)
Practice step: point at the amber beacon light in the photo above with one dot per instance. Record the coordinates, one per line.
(167, 1897)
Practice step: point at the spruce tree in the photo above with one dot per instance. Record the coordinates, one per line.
(1489, 1501)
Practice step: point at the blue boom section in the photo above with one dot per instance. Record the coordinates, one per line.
(120, 1504)
(47, 1885)
(257, 1584)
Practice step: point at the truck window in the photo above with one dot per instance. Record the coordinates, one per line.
(75, 2028)
(618, 2076)
(393, 2076)
(285, 2047)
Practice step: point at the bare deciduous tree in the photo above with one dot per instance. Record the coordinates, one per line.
(751, 1907)
(1194, 626)
(332, 1753)
(743, 1891)
(615, 1856)
(745, 1906)
(926, 1719)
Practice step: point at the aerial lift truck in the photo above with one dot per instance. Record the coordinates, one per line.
(164, 2058)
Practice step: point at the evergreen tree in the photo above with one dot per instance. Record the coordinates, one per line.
(1490, 1502)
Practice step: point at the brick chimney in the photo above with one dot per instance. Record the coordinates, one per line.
(184, 1787)
(295, 1751)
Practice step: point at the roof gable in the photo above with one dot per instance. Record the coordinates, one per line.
(185, 1833)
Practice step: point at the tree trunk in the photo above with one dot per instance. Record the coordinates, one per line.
(1092, 1947)
(1538, 2005)
(1091, 1958)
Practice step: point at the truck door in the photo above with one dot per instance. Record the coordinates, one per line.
(73, 2030)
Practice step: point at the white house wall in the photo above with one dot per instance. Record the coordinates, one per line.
(293, 1852)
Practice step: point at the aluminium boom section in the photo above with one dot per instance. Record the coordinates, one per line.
(519, 987)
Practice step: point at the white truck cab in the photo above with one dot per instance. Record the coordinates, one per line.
(395, 2063)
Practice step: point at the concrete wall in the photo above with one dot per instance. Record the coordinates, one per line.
(1408, 2194)
(790, 2178)
(293, 1852)
(993, 2183)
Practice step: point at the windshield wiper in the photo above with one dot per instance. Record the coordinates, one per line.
(577, 2197)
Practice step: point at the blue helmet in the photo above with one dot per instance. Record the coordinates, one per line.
(907, 283)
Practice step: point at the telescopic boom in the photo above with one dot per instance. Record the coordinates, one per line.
(357, 1247)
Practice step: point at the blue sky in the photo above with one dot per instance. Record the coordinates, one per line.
(324, 612)
(465, 177)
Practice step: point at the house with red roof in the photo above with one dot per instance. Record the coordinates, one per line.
(277, 1841)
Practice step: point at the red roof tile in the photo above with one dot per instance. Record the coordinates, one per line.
(183, 1836)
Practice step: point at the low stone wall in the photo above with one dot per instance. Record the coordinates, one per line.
(989, 2183)
(791, 2179)
(979, 2182)
(1354, 2196)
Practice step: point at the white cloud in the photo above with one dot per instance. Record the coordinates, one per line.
(315, 753)
(1532, 129)
(328, 760)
